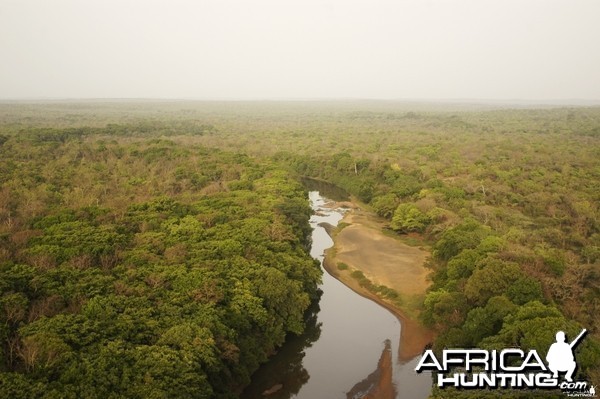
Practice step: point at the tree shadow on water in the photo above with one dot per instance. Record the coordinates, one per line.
(284, 374)
(379, 384)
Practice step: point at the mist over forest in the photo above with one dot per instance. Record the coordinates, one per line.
(159, 249)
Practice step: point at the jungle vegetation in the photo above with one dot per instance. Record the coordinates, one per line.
(160, 248)
(144, 268)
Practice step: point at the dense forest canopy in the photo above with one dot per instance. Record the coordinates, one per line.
(159, 249)
(138, 267)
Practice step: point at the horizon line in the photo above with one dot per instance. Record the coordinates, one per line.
(466, 100)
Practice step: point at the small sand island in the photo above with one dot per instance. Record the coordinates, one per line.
(362, 247)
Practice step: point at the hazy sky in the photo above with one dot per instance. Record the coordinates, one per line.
(255, 49)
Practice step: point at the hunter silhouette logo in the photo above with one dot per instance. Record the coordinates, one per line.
(511, 368)
(560, 355)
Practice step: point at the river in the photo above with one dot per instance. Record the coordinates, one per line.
(346, 336)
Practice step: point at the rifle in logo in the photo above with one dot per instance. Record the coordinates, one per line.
(560, 355)
(508, 368)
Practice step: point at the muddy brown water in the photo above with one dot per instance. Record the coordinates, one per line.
(339, 355)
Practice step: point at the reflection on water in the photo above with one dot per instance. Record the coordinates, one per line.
(379, 384)
(325, 189)
(347, 337)
(284, 372)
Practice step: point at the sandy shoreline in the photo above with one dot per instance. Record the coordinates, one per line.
(383, 260)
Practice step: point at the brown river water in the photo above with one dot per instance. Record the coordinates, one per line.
(349, 349)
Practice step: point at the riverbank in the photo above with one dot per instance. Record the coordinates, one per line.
(361, 246)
